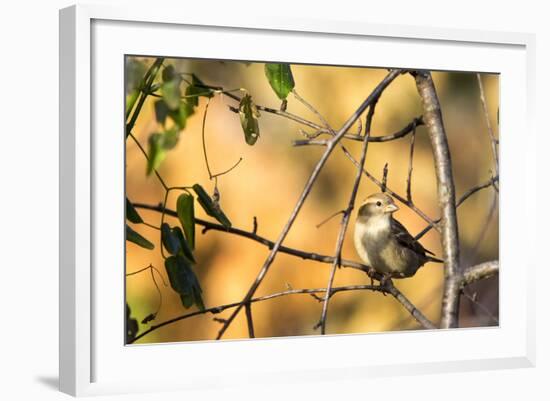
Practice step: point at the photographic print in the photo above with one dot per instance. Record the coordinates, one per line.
(268, 199)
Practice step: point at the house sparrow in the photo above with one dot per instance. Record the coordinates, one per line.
(383, 243)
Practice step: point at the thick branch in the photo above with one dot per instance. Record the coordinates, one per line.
(446, 197)
(479, 272)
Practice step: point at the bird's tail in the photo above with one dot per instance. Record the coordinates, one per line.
(432, 259)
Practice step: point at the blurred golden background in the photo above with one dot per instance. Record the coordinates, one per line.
(269, 180)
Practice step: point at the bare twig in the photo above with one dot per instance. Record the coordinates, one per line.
(313, 110)
(446, 197)
(409, 174)
(329, 218)
(212, 176)
(147, 158)
(152, 269)
(384, 185)
(408, 305)
(463, 198)
(249, 321)
(418, 121)
(254, 225)
(483, 308)
(218, 309)
(492, 138)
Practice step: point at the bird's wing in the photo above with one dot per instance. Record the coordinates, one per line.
(407, 240)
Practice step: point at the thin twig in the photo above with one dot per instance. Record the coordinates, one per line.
(221, 308)
(147, 158)
(384, 185)
(204, 139)
(254, 225)
(463, 198)
(409, 175)
(249, 321)
(229, 169)
(492, 138)
(485, 227)
(329, 218)
(311, 137)
(409, 306)
(483, 308)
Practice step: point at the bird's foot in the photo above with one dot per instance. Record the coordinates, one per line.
(384, 281)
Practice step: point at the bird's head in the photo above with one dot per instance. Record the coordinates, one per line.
(377, 205)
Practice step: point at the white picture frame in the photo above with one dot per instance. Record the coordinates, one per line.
(91, 362)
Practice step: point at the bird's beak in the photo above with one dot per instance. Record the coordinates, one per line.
(392, 207)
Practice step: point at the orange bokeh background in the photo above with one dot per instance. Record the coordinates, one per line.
(269, 180)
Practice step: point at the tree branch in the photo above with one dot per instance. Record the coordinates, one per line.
(478, 272)
(388, 287)
(446, 197)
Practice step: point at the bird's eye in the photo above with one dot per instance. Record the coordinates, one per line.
(378, 203)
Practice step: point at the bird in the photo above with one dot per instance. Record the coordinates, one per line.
(384, 244)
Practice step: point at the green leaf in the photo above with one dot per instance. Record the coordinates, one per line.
(161, 111)
(280, 78)
(174, 242)
(176, 268)
(157, 152)
(169, 73)
(132, 214)
(171, 138)
(171, 94)
(169, 239)
(211, 208)
(180, 115)
(131, 99)
(136, 238)
(186, 215)
(249, 114)
(184, 281)
(134, 73)
(185, 248)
